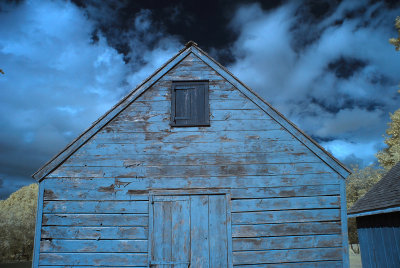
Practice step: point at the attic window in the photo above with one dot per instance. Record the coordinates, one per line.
(189, 104)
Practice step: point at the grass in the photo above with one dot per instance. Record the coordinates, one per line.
(355, 259)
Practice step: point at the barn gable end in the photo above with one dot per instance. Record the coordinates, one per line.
(283, 194)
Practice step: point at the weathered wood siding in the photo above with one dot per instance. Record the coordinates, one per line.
(379, 237)
(285, 202)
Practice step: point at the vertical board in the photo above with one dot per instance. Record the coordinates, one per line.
(218, 231)
(379, 237)
(199, 231)
(38, 227)
(164, 223)
(343, 217)
(180, 229)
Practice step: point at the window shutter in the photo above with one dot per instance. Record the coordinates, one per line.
(190, 105)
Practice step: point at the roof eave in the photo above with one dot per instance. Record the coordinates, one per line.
(275, 114)
(373, 212)
(74, 145)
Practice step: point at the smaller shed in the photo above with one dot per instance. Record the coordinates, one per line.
(378, 222)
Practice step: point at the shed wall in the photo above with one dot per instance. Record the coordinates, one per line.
(379, 237)
(285, 201)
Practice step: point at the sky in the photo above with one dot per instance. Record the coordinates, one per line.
(326, 65)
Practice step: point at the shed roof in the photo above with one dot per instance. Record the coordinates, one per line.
(383, 197)
(190, 47)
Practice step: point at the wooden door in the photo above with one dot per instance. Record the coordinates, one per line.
(189, 231)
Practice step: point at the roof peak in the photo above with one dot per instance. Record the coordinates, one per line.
(191, 44)
(190, 47)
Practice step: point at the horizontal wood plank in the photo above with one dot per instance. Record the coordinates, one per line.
(95, 206)
(120, 193)
(217, 91)
(100, 160)
(193, 75)
(291, 191)
(77, 246)
(242, 205)
(98, 232)
(138, 185)
(193, 137)
(142, 114)
(95, 219)
(192, 170)
(215, 125)
(215, 147)
(85, 266)
(96, 259)
(293, 255)
(286, 229)
(313, 264)
(115, 193)
(286, 242)
(164, 85)
(96, 194)
(281, 216)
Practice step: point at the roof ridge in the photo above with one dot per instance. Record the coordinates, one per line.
(191, 44)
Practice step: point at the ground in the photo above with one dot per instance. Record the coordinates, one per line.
(355, 259)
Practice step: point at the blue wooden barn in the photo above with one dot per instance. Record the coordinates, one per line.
(378, 222)
(192, 169)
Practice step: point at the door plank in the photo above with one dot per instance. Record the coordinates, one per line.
(217, 231)
(181, 231)
(166, 233)
(158, 230)
(199, 231)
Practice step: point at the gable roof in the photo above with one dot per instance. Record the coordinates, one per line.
(383, 197)
(190, 47)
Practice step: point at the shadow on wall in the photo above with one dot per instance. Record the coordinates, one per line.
(25, 264)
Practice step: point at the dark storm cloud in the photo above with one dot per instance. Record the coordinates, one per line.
(204, 22)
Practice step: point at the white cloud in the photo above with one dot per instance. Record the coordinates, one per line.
(300, 82)
(344, 149)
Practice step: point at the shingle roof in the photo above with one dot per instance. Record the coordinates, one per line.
(385, 194)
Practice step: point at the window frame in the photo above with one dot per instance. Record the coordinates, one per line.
(192, 121)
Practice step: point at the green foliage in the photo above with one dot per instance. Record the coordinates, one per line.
(357, 185)
(396, 41)
(17, 224)
(389, 156)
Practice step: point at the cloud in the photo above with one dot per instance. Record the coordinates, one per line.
(336, 77)
(58, 79)
(361, 153)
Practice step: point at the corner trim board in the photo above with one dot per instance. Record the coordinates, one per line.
(38, 227)
(343, 216)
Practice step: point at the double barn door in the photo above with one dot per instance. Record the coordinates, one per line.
(189, 231)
